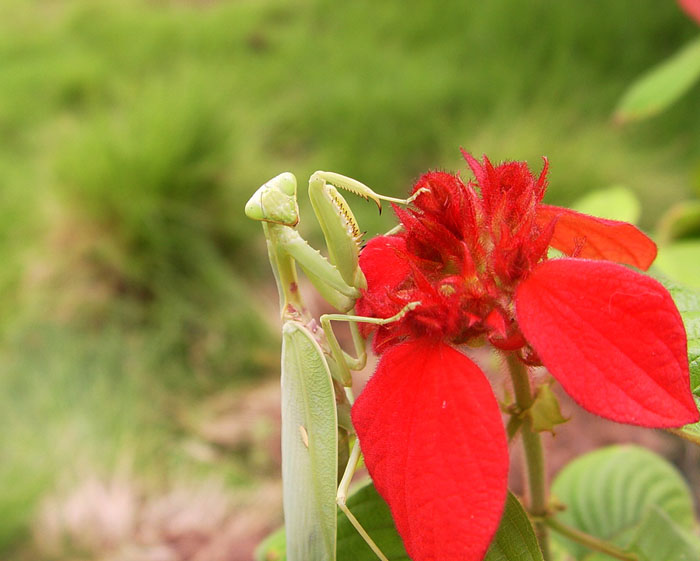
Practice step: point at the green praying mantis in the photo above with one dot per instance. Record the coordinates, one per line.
(316, 372)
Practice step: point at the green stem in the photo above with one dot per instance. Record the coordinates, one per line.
(534, 455)
(589, 541)
(513, 426)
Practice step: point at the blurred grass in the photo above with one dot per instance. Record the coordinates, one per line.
(133, 132)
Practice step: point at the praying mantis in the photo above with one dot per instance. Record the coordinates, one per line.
(316, 372)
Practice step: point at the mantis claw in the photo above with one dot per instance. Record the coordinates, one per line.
(416, 194)
(361, 190)
(348, 184)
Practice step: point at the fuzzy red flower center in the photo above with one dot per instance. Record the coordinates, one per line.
(465, 248)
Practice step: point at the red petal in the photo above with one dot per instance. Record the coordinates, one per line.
(692, 8)
(385, 268)
(434, 444)
(597, 238)
(382, 264)
(612, 337)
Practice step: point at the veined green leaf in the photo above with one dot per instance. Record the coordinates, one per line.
(608, 493)
(660, 539)
(661, 86)
(515, 539)
(309, 447)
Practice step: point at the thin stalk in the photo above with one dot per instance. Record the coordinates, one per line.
(589, 541)
(534, 455)
(342, 495)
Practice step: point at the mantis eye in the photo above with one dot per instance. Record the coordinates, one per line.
(275, 201)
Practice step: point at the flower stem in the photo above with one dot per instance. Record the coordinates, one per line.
(534, 455)
(513, 427)
(589, 541)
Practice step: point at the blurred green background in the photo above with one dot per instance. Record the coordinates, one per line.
(136, 303)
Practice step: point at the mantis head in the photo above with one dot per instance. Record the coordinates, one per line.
(275, 201)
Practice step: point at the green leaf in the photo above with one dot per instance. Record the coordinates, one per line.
(607, 494)
(660, 539)
(545, 412)
(681, 262)
(661, 86)
(515, 539)
(614, 203)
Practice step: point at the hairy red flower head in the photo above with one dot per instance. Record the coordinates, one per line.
(475, 255)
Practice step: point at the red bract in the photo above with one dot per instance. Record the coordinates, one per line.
(475, 256)
(692, 8)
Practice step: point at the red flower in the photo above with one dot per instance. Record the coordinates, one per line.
(475, 256)
(692, 8)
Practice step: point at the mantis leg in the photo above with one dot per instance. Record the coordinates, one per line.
(343, 360)
(340, 229)
(354, 186)
(323, 274)
(346, 363)
(342, 496)
(395, 230)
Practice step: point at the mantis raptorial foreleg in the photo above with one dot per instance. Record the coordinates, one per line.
(342, 496)
(344, 360)
(315, 409)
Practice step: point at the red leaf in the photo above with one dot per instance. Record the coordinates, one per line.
(692, 8)
(612, 337)
(597, 238)
(385, 265)
(434, 444)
